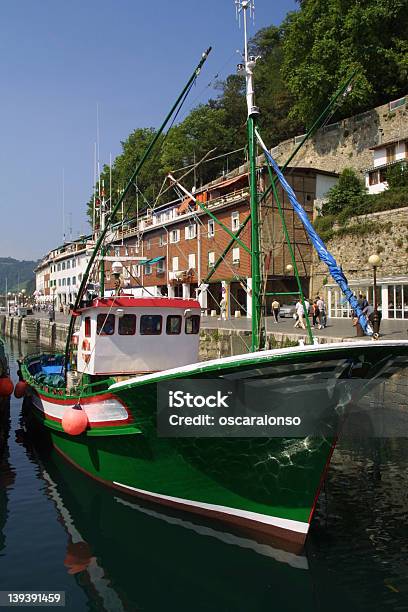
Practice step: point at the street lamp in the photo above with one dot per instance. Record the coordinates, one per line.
(289, 268)
(375, 261)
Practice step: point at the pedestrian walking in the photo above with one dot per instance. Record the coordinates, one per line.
(223, 308)
(275, 310)
(315, 313)
(300, 314)
(322, 313)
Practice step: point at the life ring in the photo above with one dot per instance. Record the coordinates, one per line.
(86, 350)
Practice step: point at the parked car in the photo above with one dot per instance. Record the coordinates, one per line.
(287, 310)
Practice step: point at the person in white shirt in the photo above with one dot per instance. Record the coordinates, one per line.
(300, 313)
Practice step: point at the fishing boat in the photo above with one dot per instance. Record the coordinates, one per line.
(98, 400)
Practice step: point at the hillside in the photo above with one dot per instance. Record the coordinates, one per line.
(19, 275)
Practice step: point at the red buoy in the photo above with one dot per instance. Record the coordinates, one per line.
(20, 389)
(74, 420)
(6, 386)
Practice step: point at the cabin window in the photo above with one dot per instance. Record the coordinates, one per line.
(87, 327)
(105, 325)
(127, 325)
(173, 325)
(151, 325)
(193, 324)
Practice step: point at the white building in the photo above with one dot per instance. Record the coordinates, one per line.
(385, 155)
(59, 273)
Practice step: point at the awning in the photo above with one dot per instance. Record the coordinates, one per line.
(230, 181)
(153, 261)
(185, 204)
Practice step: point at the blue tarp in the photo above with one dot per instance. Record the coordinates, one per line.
(334, 269)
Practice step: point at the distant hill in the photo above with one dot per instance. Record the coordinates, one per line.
(19, 275)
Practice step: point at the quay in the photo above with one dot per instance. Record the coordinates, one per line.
(218, 338)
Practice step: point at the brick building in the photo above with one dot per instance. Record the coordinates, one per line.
(181, 242)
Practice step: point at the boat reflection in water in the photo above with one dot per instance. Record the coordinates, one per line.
(7, 473)
(130, 555)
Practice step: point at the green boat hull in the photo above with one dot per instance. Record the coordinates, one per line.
(266, 485)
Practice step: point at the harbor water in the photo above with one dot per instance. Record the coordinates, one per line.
(60, 531)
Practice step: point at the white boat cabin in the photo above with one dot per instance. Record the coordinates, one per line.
(123, 335)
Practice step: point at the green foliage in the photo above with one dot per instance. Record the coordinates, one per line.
(346, 194)
(324, 226)
(327, 39)
(397, 176)
(272, 94)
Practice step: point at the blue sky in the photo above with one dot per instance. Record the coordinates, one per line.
(60, 60)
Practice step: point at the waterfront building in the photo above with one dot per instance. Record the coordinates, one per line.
(385, 155)
(181, 243)
(59, 273)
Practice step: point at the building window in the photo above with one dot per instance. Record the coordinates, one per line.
(136, 270)
(68, 281)
(174, 236)
(383, 175)
(74, 280)
(192, 261)
(175, 264)
(117, 251)
(151, 325)
(390, 152)
(373, 178)
(211, 228)
(173, 325)
(148, 269)
(191, 231)
(193, 324)
(63, 282)
(148, 244)
(160, 266)
(59, 267)
(105, 324)
(68, 264)
(127, 325)
(162, 240)
(211, 259)
(235, 221)
(235, 255)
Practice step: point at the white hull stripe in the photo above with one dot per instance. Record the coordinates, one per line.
(287, 524)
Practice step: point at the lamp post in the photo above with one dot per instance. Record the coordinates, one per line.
(289, 269)
(375, 261)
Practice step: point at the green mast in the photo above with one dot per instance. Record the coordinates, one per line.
(245, 6)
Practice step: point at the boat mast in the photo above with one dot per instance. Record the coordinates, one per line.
(245, 6)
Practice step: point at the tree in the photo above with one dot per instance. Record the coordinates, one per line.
(327, 39)
(272, 94)
(346, 195)
(397, 176)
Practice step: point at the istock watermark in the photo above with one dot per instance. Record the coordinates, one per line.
(239, 408)
(282, 406)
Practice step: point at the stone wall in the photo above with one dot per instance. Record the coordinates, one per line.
(387, 236)
(347, 143)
